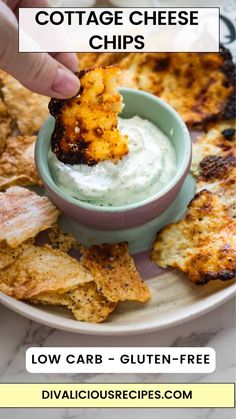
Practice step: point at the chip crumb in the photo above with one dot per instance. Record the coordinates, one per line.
(60, 240)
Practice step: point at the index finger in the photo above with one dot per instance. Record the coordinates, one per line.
(68, 59)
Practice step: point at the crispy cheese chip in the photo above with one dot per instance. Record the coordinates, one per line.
(115, 273)
(218, 175)
(42, 270)
(28, 109)
(60, 240)
(86, 128)
(200, 86)
(203, 244)
(85, 302)
(5, 125)
(45, 275)
(218, 140)
(17, 165)
(23, 214)
(90, 305)
(8, 255)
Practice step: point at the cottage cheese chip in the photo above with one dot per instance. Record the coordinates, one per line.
(23, 214)
(41, 269)
(60, 240)
(218, 140)
(115, 273)
(200, 86)
(85, 302)
(203, 244)
(90, 305)
(218, 175)
(86, 127)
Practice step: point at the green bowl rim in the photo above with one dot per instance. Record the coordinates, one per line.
(187, 144)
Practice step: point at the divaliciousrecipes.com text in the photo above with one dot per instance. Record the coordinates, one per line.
(116, 394)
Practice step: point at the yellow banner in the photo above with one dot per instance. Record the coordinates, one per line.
(117, 395)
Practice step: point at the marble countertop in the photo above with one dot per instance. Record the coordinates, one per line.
(215, 329)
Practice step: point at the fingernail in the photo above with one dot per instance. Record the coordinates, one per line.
(66, 83)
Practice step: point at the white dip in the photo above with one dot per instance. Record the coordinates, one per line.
(146, 169)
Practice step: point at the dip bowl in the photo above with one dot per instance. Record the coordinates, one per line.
(128, 216)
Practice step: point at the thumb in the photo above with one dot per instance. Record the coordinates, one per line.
(37, 71)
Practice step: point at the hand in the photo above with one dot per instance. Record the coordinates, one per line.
(47, 74)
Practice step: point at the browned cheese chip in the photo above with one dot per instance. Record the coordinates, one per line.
(8, 255)
(115, 273)
(218, 175)
(84, 301)
(200, 86)
(203, 244)
(23, 214)
(17, 165)
(218, 140)
(28, 109)
(60, 240)
(44, 275)
(42, 270)
(90, 305)
(86, 128)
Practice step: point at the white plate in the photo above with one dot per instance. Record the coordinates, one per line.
(175, 300)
